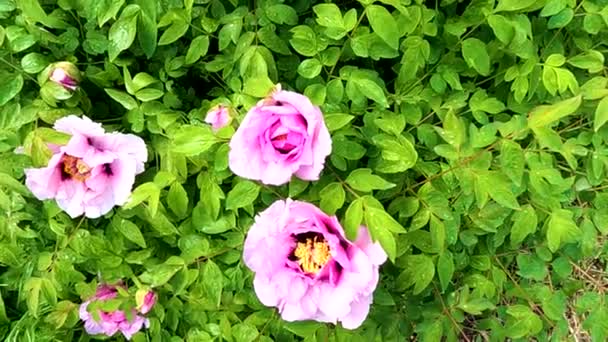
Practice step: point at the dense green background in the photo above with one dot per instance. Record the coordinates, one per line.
(469, 136)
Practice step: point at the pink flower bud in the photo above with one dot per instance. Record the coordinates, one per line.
(145, 300)
(218, 117)
(65, 74)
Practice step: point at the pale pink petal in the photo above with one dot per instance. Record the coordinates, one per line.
(128, 146)
(358, 312)
(44, 182)
(70, 197)
(75, 125)
(373, 250)
(265, 291)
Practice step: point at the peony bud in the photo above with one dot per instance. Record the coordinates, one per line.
(145, 300)
(65, 74)
(218, 117)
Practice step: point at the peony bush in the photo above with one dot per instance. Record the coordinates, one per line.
(277, 170)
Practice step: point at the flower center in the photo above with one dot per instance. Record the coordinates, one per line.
(75, 168)
(312, 254)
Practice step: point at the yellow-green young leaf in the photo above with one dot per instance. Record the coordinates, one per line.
(383, 23)
(502, 27)
(601, 114)
(353, 218)
(146, 191)
(12, 184)
(476, 55)
(545, 115)
(561, 229)
(130, 230)
(371, 90)
(332, 198)
(32, 289)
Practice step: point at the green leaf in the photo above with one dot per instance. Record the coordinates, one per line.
(513, 5)
(213, 282)
(561, 229)
(336, 121)
(282, 14)
(198, 48)
(512, 161)
(545, 115)
(601, 114)
(32, 289)
(363, 180)
(502, 27)
(310, 68)
(445, 269)
(123, 98)
(379, 219)
(561, 19)
(178, 28)
(499, 189)
(10, 88)
(242, 195)
(34, 62)
(147, 31)
(303, 328)
(244, 333)
(525, 222)
(383, 23)
(160, 274)
(476, 55)
(419, 272)
(130, 231)
(304, 40)
(191, 140)
(332, 198)
(531, 267)
(353, 218)
(177, 199)
(150, 94)
(122, 33)
(371, 90)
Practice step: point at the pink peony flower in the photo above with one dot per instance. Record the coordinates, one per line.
(305, 266)
(109, 323)
(218, 117)
(65, 74)
(92, 173)
(282, 135)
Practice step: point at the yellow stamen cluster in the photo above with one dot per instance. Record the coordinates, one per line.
(76, 168)
(312, 255)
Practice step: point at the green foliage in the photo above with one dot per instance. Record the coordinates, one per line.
(470, 137)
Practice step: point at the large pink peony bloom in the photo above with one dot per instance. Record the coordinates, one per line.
(282, 135)
(306, 268)
(109, 323)
(92, 173)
